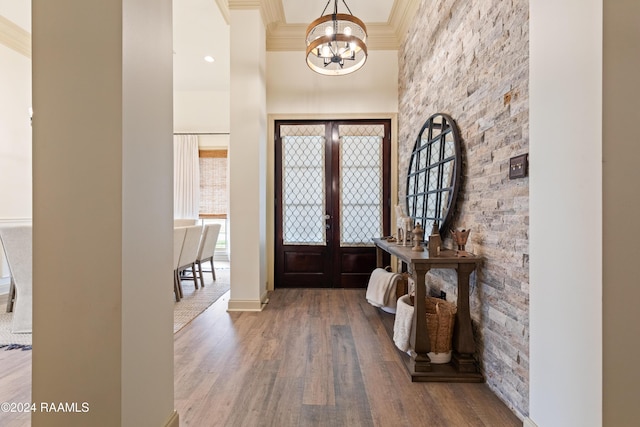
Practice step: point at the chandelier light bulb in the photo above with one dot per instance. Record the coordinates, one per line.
(336, 42)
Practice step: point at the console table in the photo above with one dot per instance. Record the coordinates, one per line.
(463, 367)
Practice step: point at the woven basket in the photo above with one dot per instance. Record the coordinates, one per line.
(402, 285)
(441, 316)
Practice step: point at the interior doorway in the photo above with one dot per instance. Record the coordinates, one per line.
(332, 195)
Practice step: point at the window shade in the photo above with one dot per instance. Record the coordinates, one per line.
(213, 184)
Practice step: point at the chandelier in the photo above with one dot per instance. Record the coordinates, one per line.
(336, 43)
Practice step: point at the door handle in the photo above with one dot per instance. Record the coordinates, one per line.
(327, 216)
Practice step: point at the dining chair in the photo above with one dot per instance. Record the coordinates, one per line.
(178, 241)
(207, 249)
(188, 254)
(184, 222)
(17, 243)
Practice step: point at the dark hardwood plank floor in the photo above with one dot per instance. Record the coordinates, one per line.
(313, 357)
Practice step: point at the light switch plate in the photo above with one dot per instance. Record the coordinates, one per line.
(519, 166)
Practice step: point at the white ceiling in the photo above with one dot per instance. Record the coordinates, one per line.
(200, 28)
(18, 12)
(303, 12)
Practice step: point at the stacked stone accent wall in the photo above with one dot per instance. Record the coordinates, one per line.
(470, 59)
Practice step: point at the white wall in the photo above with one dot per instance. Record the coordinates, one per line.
(15, 135)
(18, 12)
(102, 149)
(15, 127)
(621, 209)
(292, 88)
(296, 92)
(566, 213)
(201, 111)
(247, 161)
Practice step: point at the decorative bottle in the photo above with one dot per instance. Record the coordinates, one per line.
(435, 241)
(418, 234)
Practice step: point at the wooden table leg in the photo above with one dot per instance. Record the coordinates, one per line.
(463, 343)
(379, 259)
(12, 296)
(420, 362)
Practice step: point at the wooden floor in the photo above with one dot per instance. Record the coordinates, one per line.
(311, 358)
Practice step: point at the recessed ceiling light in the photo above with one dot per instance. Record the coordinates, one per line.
(209, 58)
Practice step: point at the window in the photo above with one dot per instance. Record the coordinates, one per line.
(213, 184)
(214, 191)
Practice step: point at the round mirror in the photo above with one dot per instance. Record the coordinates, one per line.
(434, 174)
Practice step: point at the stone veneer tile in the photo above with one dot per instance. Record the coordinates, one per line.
(470, 60)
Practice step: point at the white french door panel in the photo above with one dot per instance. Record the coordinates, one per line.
(361, 201)
(303, 185)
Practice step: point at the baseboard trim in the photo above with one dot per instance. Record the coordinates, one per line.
(174, 420)
(245, 305)
(15, 221)
(264, 297)
(528, 423)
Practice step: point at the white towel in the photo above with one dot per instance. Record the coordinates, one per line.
(403, 323)
(381, 289)
(402, 327)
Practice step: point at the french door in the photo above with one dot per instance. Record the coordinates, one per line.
(332, 197)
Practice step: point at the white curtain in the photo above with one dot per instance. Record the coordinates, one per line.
(186, 177)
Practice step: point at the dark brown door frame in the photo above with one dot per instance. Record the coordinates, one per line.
(353, 265)
(337, 266)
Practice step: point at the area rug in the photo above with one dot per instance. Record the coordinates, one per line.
(194, 302)
(9, 340)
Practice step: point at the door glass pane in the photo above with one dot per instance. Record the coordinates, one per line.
(360, 184)
(303, 184)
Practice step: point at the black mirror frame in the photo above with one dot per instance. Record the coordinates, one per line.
(437, 127)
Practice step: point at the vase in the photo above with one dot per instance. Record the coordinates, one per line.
(460, 238)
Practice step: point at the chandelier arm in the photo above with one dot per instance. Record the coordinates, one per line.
(332, 51)
(325, 7)
(340, 37)
(345, 5)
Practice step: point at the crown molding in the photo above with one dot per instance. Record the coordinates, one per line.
(401, 17)
(15, 37)
(381, 36)
(223, 5)
(271, 11)
(286, 37)
(244, 4)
